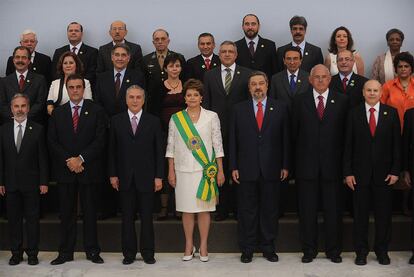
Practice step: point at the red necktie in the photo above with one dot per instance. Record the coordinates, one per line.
(117, 83)
(344, 80)
(75, 118)
(372, 123)
(21, 82)
(259, 115)
(207, 62)
(321, 107)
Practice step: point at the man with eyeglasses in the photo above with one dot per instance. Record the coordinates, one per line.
(118, 31)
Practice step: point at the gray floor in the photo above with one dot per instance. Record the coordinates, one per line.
(219, 265)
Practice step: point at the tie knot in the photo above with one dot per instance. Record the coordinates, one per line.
(74, 49)
(345, 80)
(320, 97)
(21, 76)
(76, 108)
(207, 60)
(371, 110)
(259, 104)
(292, 76)
(251, 43)
(228, 70)
(118, 75)
(134, 117)
(20, 126)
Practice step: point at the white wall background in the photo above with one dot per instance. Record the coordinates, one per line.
(368, 21)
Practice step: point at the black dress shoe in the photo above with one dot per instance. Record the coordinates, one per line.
(221, 217)
(61, 260)
(32, 260)
(361, 260)
(95, 258)
(128, 260)
(384, 259)
(15, 259)
(411, 261)
(335, 258)
(246, 258)
(149, 260)
(307, 258)
(271, 256)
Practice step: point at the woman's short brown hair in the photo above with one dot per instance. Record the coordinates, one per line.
(193, 84)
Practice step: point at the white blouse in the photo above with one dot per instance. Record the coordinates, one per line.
(54, 92)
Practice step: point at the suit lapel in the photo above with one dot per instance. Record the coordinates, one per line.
(286, 84)
(362, 117)
(10, 136)
(82, 50)
(381, 118)
(252, 116)
(270, 106)
(220, 81)
(330, 105)
(28, 82)
(26, 137)
(236, 78)
(310, 103)
(83, 116)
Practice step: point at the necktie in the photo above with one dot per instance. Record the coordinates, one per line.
(161, 61)
(207, 62)
(321, 107)
(75, 118)
(74, 50)
(117, 83)
(372, 123)
(227, 80)
(251, 48)
(259, 115)
(21, 82)
(134, 124)
(344, 80)
(292, 83)
(19, 138)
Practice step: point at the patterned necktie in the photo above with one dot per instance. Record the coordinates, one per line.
(75, 118)
(117, 83)
(292, 83)
(19, 138)
(134, 124)
(372, 123)
(21, 82)
(251, 48)
(259, 115)
(207, 62)
(344, 80)
(74, 50)
(227, 80)
(321, 107)
(161, 61)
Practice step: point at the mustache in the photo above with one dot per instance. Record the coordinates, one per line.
(20, 63)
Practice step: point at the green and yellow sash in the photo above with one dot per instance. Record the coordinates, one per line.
(207, 189)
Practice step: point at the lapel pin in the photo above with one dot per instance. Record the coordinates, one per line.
(30, 127)
(271, 108)
(28, 81)
(150, 65)
(127, 80)
(238, 72)
(81, 52)
(162, 72)
(203, 66)
(262, 46)
(299, 81)
(214, 64)
(332, 101)
(86, 113)
(34, 68)
(306, 53)
(385, 113)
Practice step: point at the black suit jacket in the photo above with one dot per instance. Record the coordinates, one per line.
(280, 87)
(259, 153)
(216, 99)
(408, 142)
(88, 141)
(105, 61)
(87, 54)
(28, 169)
(312, 55)
(264, 58)
(353, 89)
(154, 80)
(138, 157)
(42, 65)
(372, 158)
(105, 90)
(319, 143)
(35, 88)
(196, 67)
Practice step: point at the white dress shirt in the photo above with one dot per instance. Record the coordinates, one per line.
(138, 115)
(18, 75)
(224, 73)
(325, 97)
(78, 46)
(16, 129)
(368, 113)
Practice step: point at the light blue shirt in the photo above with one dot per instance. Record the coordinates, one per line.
(263, 105)
(121, 78)
(73, 105)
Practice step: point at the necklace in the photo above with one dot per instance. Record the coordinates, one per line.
(173, 87)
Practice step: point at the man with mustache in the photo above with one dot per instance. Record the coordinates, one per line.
(312, 55)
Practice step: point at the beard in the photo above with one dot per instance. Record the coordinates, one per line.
(250, 34)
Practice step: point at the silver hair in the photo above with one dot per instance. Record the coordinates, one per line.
(229, 42)
(18, 95)
(135, 87)
(26, 32)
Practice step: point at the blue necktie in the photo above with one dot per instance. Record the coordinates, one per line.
(292, 83)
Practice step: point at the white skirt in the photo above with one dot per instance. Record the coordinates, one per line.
(186, 191)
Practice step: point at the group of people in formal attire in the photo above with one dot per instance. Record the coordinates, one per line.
(119, 125)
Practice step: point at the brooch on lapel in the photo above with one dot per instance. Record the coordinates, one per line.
(150, 65)
(81, 52)
(385, 113)
(306, 53)
(203, 66)
(34, 68)
(352, 83)
(127, 80)
(86, 113)
(299, 80)
(238, 72)
(162, 72)
(214, 64)
(271, 108)
(262, 46)
(333, 101)
(27, 81)
(30, 127)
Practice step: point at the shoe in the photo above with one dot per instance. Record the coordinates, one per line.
(271, 257)
(335, 258)
(128, 260)
(61, 259)
(149, 260)
(221, 217)
(95, 258)
(203, 258)
(15, 259)
(384, 259)
(189, 257)
(32, 260)
(246, 257)
(361, 260)
(411, 261)
(307, 258)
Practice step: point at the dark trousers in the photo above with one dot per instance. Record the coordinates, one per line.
(228, 191)
(258, 215)
(23, 204)
(68, 215)
(382, 204)
(309, 192)
(131, 199)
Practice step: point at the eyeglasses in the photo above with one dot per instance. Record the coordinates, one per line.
(347, 59)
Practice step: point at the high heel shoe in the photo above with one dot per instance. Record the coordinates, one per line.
(189, 257)
(203, 258)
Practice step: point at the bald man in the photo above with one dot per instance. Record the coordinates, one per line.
(372, 160)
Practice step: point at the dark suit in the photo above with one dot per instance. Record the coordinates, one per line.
(154, 78)
(35, 88)
(105, 61)
(259, 156)
(312, 55)
(87, 54)
(353, 89)
(264, 58)
(22, 173)
(370, 160)
(196, 67)
(318, 148)
(280, 87)
(136, 160)
(88, 141)
(41, 65)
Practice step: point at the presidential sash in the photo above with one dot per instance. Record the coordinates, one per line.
(207, 189)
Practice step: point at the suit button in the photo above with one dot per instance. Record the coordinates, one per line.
(252, 61)
(260, 136)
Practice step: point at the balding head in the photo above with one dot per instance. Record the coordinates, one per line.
(372, 92)
(319, 78)
(118, 31)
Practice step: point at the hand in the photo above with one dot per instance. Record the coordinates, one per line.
(75, 164)
(235, 176)
(407, 178)
(284, 173)
(350, 182)
(392, 179)
(157, 184)
(50, 109)
(171, 178)
(114, 183)
(220, 178)
(2, 190)
(43, 189)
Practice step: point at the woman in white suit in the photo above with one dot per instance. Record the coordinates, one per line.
(194, 153)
